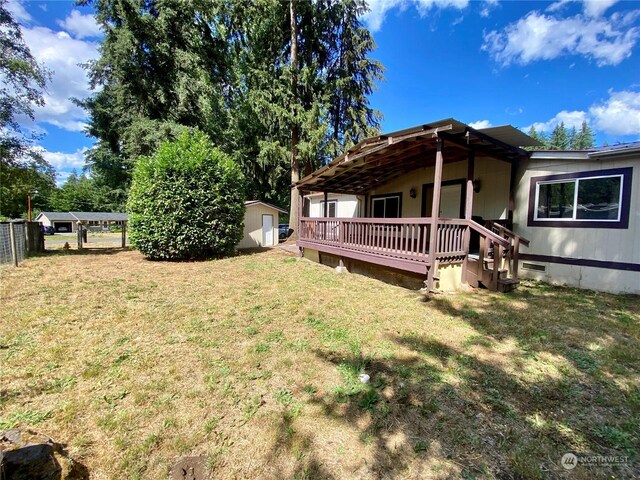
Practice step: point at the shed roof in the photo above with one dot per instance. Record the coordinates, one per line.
(379, 159)
(259, 202)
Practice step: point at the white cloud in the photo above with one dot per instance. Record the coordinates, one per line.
(592, 8)
(80, 26)
(487, 6)
(378, 9)
(65, 161)
(62, 55)
(617, 115)
(17, 11)
(595, 8)
(480, 124)
(542, 37)
(571, 119)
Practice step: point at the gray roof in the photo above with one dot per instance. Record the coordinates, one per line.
(259, 202)
(83, 216)
(596, 153)
(58, 216)
(99, 216)
(510, 136)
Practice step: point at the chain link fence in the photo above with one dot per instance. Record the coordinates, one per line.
(26, 239)
(5, 244)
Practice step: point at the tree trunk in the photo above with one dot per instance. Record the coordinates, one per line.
(295, 129)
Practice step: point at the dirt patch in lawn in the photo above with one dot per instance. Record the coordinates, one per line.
(253, 362)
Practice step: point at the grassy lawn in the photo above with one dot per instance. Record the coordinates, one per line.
(253, 362)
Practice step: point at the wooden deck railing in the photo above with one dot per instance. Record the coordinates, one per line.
(406, 238)
(511, 254)
(398, 237)
(404, 242)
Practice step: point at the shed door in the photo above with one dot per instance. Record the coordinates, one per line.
(267, 230)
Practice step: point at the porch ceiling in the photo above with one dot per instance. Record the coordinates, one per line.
(380, 159)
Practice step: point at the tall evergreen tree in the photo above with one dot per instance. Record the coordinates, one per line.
(234, 62)
(559, 138)
(351, 78)
(163, 66)
(584, 138)
(539, 136)
(77, 194)
(22, 81)
(333, 77)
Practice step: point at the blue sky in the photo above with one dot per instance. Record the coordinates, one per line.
(482, 62)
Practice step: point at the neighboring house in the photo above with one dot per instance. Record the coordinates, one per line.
(260, 225)
(482, 184)
(67, 221)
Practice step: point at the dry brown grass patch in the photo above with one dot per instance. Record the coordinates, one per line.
(253, 362)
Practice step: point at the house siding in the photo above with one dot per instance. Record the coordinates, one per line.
(580, 244)
(348, 206)
(491, 202)
(252, 235)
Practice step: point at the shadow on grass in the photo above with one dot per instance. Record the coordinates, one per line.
(85, 251)
(469, 410)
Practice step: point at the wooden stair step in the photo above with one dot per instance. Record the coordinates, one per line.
(507, 284)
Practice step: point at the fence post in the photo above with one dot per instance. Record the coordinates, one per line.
(124, 233)
(79, 232)
(14, 245)
(27, 239)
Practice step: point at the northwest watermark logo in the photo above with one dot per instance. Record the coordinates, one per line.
(569, 461)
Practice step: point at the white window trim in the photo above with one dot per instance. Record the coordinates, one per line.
(575, 200)
(329, 202)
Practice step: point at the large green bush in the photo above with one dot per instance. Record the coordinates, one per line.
(186, 201)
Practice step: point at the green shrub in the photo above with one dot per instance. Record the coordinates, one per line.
(186, 201)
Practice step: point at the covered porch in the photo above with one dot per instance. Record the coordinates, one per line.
(432, 223)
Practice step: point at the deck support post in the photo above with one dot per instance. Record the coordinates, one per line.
(341, 267)
(325, 214)
(435, 215)
(468, 211)
(512, 200)
(299, 226)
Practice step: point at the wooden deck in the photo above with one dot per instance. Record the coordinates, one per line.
(405, 244)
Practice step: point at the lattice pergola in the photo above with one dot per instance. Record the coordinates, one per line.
(378, 160)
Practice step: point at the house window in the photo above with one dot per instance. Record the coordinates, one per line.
(332, 208)
(387, 206)
(585, 199)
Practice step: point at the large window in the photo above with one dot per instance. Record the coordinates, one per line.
(386, 206)
(586, 199)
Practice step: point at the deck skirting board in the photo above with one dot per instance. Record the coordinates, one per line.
(387, 261)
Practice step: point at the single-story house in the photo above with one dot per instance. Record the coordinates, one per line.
(448, 204)
(260, 225)
(68, 221)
